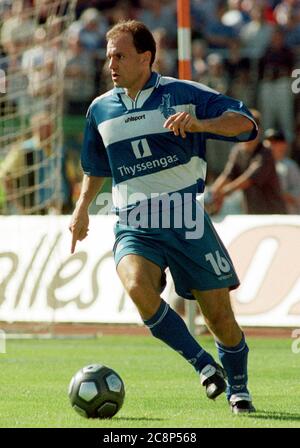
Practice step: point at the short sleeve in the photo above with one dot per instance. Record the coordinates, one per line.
(216, 105)
(94, 160)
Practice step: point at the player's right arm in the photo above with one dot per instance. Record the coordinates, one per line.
(95, 165)
(80, 219)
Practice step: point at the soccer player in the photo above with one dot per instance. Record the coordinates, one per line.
(148, 133)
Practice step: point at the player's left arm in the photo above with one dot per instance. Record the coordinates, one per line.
(228, 124)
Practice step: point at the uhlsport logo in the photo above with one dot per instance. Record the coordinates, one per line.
(165, 106)
(135, 118)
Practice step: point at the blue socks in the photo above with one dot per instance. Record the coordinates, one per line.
(170, 328)
(234, 360)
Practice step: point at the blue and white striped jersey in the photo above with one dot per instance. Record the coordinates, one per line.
(126, 140)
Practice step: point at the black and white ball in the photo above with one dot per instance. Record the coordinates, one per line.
(96, 391)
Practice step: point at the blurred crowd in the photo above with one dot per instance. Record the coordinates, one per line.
(247, 49)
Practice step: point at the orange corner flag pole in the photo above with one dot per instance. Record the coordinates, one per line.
(184, 39)
(185, 72)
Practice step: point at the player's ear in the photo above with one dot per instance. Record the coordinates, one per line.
(146, 57)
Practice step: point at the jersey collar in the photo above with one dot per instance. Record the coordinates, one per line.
(153, 81)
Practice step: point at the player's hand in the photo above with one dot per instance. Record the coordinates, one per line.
(213, 201)
(79, 226)
(182, 122)
(218, 196)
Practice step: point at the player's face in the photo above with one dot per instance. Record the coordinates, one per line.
(127, 66)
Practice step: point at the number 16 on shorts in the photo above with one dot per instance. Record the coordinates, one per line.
(219, 264)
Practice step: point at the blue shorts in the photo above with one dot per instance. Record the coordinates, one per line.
(201, 264)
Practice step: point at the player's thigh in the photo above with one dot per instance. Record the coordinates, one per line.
(139, 275)
(215, 304)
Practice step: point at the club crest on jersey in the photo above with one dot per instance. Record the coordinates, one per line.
(165, 106)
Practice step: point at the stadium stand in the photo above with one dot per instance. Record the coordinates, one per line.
(53, 56)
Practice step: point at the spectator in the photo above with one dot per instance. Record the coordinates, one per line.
(12, 176)
(199, 55)
(295, 151)
(256, 35)
(123, 10)
(156, 15)
(91, 28)
(40, 63)
(79, 73)
(235, 61)
(31, 69)
(218, 35)
(164, 60)
(251, 168)
(43, 164)
(54, 29)
(216, 77)
(205, 9)
(275, 69)
(203, 12)
(292, 30)
(5, 6)
(17, 30)
(31, 169)
(235, 17)
(239, 74)
(283, 10)
(287, 170)
(16, 87)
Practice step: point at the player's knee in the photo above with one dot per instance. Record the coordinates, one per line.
(139, 289)
(145, 298)
(134, 289)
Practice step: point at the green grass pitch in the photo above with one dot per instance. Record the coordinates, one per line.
(162, 390)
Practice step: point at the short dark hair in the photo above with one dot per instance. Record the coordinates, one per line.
(143, 39)
(274, 135)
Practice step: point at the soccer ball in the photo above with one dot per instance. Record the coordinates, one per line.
(96, 391)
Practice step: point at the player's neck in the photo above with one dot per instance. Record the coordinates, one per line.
(133, 90)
